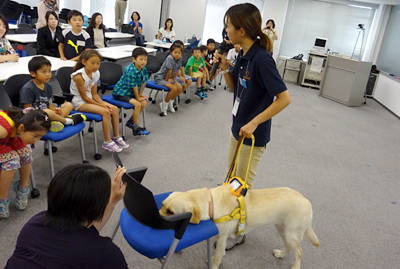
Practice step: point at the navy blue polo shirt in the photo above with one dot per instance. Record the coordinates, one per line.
(263, 83)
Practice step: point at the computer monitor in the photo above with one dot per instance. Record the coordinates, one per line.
(320, 43)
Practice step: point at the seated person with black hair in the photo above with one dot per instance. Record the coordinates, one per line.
(74, 41)
(130, 86)
(80, 200)
(47, 36)
(137, 26)
(38, 93)
(96, 30)
(209, 61)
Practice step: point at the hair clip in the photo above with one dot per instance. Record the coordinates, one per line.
(27, 110)
(46, 118)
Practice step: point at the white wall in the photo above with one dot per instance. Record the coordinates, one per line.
(275, 10)
(72, 4)
(188, 22)
(149, 11)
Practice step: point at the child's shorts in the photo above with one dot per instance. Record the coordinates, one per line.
(125, 98)
(180, 82)
(14, 159)
(197, 74)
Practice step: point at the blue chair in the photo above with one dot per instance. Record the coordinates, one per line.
(12, 86)
(153, 235)
(64, 79)
(85, 21)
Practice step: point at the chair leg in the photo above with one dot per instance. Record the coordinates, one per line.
(34, 192)
(48, 143)
(209, 253)
(144, 121)
(171, 252)
(115, 231)
(97, 156)
(123, 122)
(82, 148)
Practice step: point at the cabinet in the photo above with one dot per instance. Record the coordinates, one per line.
(314, 70)
(295, 66)
(345, 80)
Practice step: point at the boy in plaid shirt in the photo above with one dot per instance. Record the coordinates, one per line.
(127, 88)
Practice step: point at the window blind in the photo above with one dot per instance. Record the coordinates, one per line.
(107, 10)
(306, 19)
(215, 11)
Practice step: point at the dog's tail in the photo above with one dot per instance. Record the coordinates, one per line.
(311, 236)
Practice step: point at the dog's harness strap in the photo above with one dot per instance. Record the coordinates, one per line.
(211, 206)
(242, 212)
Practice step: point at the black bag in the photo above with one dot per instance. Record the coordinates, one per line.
(127, 28)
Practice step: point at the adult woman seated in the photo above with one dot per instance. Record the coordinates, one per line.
(47, 36)
(96, 30)
(137, 26)
(80, 200)
(166, 31)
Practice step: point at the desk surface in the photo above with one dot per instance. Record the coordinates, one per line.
(22, 38)
(118, 35)
(21, 67)
(12, 26)
(120, 52)
(162, 45)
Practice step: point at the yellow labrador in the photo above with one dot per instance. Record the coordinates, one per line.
(290, 211)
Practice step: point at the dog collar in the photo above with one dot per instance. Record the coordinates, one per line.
(211, 206)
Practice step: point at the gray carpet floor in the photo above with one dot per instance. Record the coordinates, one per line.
(345, 160)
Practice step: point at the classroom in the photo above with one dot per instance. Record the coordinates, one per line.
(334, 138)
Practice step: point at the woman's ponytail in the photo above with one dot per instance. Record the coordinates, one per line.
(266, 42)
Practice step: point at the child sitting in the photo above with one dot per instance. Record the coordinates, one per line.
(204, 52)
(18, 129)
(232, 55)
(84, 88)
(74, 41)
(166, 77)
(209, 61)
(192, 69)
(130, 86)
(38, 93)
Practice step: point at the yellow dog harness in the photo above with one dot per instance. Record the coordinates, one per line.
(238, 188)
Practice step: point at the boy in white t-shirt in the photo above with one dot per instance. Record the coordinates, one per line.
(232, 55)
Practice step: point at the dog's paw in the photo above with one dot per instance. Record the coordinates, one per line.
(278, 254)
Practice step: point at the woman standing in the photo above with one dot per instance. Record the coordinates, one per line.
(96, 30)
(259, 92)
(166, 31)
(43, 7)
(270, 31)
(47, 36)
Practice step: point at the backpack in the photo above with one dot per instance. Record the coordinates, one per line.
(127, 28)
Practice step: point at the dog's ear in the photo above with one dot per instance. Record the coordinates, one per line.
(196, 215)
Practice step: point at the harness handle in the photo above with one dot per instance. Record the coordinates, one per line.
(230, 172)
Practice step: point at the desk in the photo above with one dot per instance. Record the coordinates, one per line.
(21, 67)
(387, 92)
(112, 35)
(120, 52)
(12, 26)
(22, 38)
(162, 45)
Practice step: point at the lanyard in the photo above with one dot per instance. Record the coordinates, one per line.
(237, 86)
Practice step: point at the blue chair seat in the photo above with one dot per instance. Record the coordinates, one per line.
(89, 116)
(110, 99)
(68, 131)
(151, 84)
(154, 243)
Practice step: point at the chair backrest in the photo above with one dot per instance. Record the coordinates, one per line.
(33, 22)
(4, 99)
(140, 204)
(186, 56)
(161, 57)
(23, 25)
(153, 64)
(64, 78)
(110, 73)
(30, 50)
(25, 30)
(13, 84)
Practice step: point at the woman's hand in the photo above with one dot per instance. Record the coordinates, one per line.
(248, 129)
(13, 57)
(117, 189)
(220, 58)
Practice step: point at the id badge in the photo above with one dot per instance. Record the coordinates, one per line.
(243, 82)
(236, 106)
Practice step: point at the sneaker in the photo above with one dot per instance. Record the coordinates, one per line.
(56, 126)
(232, 242)
(204, 94)
(4, 212)
(129, 124)
(171, 106)
(77, 118)
(21, 199)
(199, 94)
(111, 146)
(163, 110)
(140, 132)
(120, 142)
